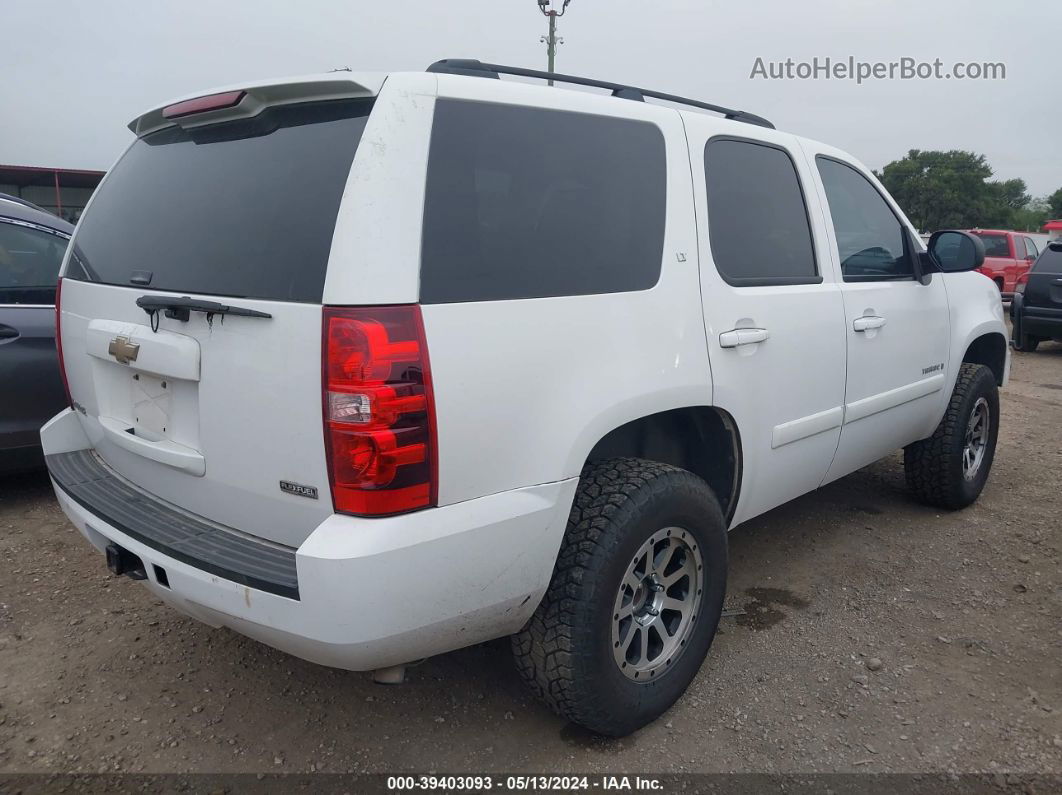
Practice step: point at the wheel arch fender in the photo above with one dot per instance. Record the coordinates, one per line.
(989, 347)
(978, 331)
(692, 435)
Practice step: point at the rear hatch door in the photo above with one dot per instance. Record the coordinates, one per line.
(191, 311)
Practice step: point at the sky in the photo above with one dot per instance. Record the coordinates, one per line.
(77, 72)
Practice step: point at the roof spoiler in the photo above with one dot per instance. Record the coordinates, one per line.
(244, 102)
(473, 68)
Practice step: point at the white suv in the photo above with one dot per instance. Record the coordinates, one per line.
(371, 367)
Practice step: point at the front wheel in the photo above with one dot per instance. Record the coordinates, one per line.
(950, 468)
(635, 598)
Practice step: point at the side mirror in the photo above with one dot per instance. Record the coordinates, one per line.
(952, 251)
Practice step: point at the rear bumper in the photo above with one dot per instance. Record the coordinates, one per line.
(370, 592)
(1038, 321)
(1041, 326)
(20, 459)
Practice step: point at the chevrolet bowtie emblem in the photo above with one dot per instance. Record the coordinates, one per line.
(123, 350)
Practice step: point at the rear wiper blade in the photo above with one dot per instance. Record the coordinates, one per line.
(181, 307)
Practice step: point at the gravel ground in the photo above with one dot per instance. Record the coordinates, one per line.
(878, 635)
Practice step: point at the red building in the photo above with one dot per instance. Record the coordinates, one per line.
(63, 191)
(1054, 229)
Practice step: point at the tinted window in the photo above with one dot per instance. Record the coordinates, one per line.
(1030, 247)
(757, 221)
(871, 241)
(29, 264)
(527, 203)
(244, 208)
(1050, 261)
(995, 245)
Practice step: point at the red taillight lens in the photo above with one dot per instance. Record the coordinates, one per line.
(59, 338)
(227, 99)
(378, 410)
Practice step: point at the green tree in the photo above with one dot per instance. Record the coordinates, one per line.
(1033, 216)
(939, 189)
(954, 189)
(1054, 204)
(1006, 201)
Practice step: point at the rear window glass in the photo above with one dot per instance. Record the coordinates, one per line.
(29, 264)
(1050, 261)
(244, 208)
(528, 203)
(995, 245)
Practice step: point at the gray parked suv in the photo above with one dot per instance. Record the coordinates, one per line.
(32, 244)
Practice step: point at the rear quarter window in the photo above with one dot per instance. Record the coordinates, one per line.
(525, 202)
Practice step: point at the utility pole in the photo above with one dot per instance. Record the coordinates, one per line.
(551, 41)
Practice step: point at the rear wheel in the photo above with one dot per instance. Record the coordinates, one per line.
(950, 468)
(635, 597)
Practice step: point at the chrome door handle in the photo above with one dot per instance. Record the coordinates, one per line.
(867, 322)
(742, 336)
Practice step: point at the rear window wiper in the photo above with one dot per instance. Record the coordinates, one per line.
(181, 307)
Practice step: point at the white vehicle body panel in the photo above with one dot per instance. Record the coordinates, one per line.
(788, 436)
(523, 390)
(373, 593)
(224, 430)
(376, 246)
(895, 381)
(975, 311)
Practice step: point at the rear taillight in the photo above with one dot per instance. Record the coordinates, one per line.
(379, 413)
(1019, 285)
(59, 338)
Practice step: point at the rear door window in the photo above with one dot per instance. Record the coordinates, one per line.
(1030, 247)
(244, 208)
(29, 263)
(524, 202)
(757, 219)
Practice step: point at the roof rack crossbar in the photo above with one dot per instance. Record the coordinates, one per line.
(473, 68)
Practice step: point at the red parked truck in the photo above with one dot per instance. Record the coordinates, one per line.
(1008, 256)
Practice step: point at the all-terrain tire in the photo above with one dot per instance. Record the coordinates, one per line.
(934, 466)
(565, 653)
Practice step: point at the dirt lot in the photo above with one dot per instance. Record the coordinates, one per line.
(878, 636)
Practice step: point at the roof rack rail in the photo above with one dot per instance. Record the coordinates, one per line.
(473, 68)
